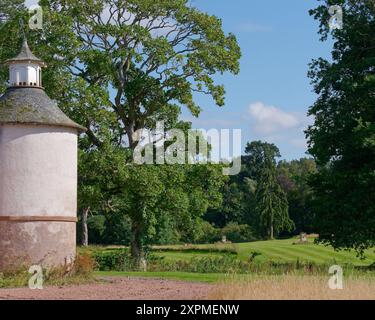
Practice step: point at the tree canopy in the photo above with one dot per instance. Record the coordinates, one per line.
(342, 138)
(271, 201)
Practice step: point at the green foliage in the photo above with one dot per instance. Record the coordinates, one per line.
(110, 229)
(271, 201)
(113, 260)
(272, 204)
(208, 233)
(117, 229)
(174, 198)
(233, 232)
(342, 137)
(238, 233)
(96, 227)
(165, 231)
(290, 179)
(121, 261)
(258, 153)
(293, 178)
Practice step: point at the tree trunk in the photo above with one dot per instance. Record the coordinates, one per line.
(271, 232)
(85, 230)
(271, 235)
(130, 134)
(136, 247)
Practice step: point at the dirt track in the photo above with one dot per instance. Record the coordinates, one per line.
(115, 289)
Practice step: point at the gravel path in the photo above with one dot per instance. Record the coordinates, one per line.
(115, 289)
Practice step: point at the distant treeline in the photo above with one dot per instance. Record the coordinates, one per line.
(238, 215)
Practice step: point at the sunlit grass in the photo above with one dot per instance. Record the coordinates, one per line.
(289, 287)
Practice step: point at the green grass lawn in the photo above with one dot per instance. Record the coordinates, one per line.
(180, 255)
(275, 250)
(183, 276)
(285, 251)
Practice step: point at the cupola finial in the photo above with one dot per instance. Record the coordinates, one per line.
(22, 28)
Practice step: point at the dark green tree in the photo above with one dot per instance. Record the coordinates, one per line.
(293, 178)
(271, 201)
(257, 153)
(238, 202)
(342, 139)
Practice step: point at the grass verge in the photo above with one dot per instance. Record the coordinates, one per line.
(182, 276)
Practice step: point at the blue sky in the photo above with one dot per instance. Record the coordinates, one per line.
(270, 98)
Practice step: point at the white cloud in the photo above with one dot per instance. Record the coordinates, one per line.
(269, 119)
(274, 125)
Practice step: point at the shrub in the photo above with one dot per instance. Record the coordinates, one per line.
(81, 271)
(113, 260)
(237, 233)
(221, 264)
(84, 265)
(208, 233)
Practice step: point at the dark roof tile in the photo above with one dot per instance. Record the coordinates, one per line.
(32, 106)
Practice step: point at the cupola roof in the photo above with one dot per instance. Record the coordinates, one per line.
(26, 56)
(32, 106)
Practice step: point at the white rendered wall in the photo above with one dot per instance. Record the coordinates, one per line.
(38, 171)
(25, 74)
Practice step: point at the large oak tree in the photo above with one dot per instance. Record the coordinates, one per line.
(342, 139)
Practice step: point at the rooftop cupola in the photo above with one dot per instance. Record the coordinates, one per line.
(25, 70)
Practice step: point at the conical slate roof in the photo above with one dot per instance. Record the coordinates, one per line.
(32, 106)
(26, 55)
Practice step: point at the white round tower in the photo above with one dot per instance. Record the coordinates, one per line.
(38, 172)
